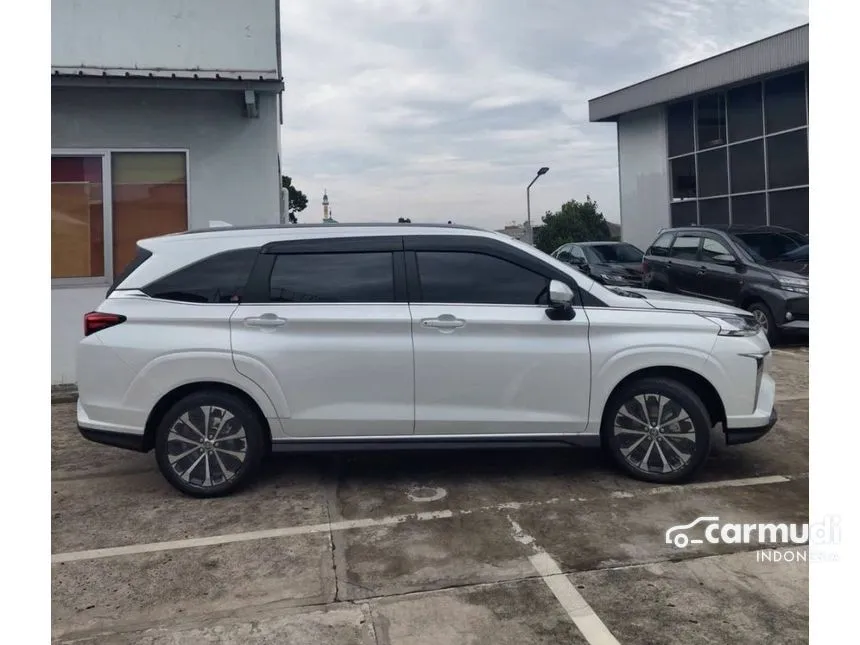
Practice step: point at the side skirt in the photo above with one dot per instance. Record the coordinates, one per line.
(349, 444)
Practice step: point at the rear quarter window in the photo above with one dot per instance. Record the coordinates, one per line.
(219, 278)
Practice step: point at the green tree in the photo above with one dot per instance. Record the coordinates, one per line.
(575, 222)
(298, 200)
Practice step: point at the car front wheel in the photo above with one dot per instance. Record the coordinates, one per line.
(209, 444)
(657, 430)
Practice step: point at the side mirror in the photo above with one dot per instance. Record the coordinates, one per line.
(560, 294)
(561, 301)
(725, 259)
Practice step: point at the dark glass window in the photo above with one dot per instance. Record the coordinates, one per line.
(217, 279)
(714, 212)
(746, 161)
(475, 278)
(790, 208)
(749, 210)
(680, 125)
(785, 102)
(711, 121)
(744, 112)
(713, 173)
(684, 177)
(333, 277)
(686, 247)
(712, 248)
(787, 159)
(661, 245)
(684, 213)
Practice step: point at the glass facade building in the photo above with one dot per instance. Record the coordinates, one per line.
(740, 155)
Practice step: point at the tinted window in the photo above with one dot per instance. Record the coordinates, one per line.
(749, 210)
(333, 277)
(217, 279)
(661, 245)
(684, 213)
(685, 247)
(712, 248)
(785, 102)
(680, 125)
(747, 163)
(711, 121)
(684, 177)
(713, 173)
(576, 252)
(787, 159)
(714, 212)
(474, 278)
(744, 112)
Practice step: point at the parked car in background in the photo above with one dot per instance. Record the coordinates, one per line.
(616, 264)
(718, 265)
(214, 348)
(795, 260)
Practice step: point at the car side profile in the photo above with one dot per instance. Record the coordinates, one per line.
(215, 348)
(708, 262)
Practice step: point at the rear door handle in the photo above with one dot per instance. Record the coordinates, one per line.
(266, 320)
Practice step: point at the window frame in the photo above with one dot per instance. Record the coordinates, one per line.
(107, 206)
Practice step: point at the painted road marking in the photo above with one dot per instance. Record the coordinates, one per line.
(423, 494)
(797, 397)
(345, 525)
(587, 622)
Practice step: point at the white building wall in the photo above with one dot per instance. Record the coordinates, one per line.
(233, 168)
(225, 36)
(643, 175)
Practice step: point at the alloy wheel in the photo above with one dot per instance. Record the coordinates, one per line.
(655, 434)
(207, 446)
(760, 318)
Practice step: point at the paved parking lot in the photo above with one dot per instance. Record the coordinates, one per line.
(395, 548)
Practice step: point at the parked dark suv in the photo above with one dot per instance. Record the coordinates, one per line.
(717, 264)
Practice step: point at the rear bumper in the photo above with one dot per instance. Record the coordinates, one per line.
(116, 439)
(736, 436)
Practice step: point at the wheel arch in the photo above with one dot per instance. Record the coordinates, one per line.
(700, 385)
(178, 393)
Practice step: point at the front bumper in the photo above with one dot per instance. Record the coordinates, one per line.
(736, 436)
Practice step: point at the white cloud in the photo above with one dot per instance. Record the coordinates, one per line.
(444, 109)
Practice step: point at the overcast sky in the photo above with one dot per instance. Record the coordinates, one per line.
(444, 109)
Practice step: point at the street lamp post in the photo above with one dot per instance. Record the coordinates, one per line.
(540, 172)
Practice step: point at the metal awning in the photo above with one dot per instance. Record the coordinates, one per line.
(162, 78)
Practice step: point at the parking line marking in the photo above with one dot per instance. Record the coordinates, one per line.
(583, 616)
(797, 397)
(344, 525)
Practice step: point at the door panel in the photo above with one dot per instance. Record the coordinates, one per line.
(345, 369)
(499, 369)
(717, 281)
(684, 264)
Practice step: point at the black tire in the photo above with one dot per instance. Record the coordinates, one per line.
(235, 473)
(699, 426)
(763, 313)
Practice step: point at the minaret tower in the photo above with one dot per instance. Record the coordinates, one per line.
(326, 215)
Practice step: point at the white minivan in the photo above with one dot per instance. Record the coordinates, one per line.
(216, 347)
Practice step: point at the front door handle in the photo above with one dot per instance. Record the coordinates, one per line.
(266, 320)
(445, 322)
(702, 270)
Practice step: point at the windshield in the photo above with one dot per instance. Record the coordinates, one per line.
(800, 253)
(613, 253)
(770, 245)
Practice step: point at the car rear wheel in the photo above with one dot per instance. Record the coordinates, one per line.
(657, 430)
(209, 444)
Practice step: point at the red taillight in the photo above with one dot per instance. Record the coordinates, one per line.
(96, 321)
